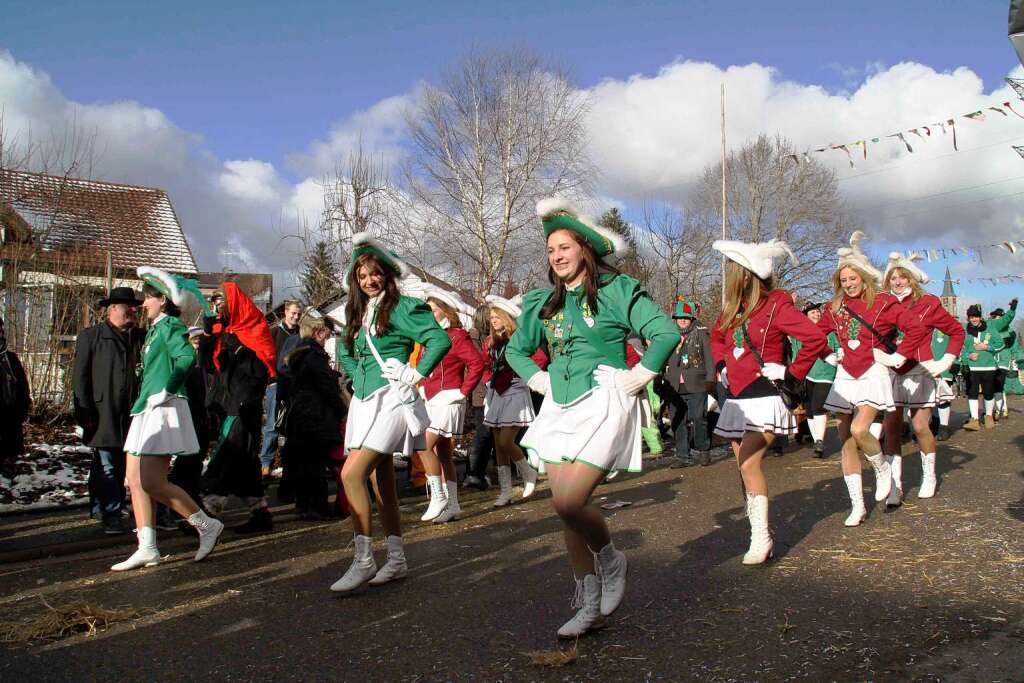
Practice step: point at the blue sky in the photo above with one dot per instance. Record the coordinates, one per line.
(245, 87)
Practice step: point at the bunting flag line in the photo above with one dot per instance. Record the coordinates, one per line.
(975, 251)
(989, 281)
(948, 127)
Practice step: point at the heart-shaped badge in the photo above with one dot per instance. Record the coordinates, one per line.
(737, 352)
(853, 343)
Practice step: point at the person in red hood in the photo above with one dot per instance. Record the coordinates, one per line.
(238, 346)
(445, 390)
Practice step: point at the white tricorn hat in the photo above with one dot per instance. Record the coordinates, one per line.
(513, 306)
(757, 257)
(898, 260)
(457, 304)
(853, 256)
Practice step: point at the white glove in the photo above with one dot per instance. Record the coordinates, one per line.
(840, 354)
(889, 360)
(398, 371)
(937, 367)
(159, 399)
(540, 383)
(456, 397)
(833, 359)
(723, 378)
(773, 371)
(632, 381)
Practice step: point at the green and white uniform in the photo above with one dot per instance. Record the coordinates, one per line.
(580, 419)
(378, 417)
(943, 388)
(161, 421)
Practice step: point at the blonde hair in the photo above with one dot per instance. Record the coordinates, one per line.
(743, 291)
(449, 312)
(510, 323)
(916, 290)
(310, 325)
(870, 287)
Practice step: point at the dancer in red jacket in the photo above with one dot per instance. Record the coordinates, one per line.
(918, 386)
(747, 344)
(864, 319)
(508, 406)
(445, 390)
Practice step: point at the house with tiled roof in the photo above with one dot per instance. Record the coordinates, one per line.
(66, 241)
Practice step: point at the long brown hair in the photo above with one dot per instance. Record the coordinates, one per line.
(449, 312)
(355, 307)
(916, 290)
(870, 288)
(593, 268)
(743, 292)
(510, 325)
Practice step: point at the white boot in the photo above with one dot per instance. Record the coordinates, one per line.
(587, 600)
(396, 567)
(928, 480)
(362, 569)
(856, 488)
(883, 476)
(611, 568)
(760, 539)
(147, 554)
(895, 498)
(529, 476)
(209, 530)
(451, 510)
(505, 486)
(438, 498)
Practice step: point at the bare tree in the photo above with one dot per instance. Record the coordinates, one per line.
(358, 197)
(772, 196)
(501, 130)
(678, 254)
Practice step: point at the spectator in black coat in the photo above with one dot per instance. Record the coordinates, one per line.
(313, 415)
(15, 401)
(105, 387)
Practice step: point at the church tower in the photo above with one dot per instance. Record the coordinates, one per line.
(948, 297)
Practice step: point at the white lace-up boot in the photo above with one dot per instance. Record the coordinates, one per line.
(760, 539)
(856, 488)
(611, 568)
(362, 569)
(146, 555)
(587, 599)
(504, 486)
(883, 476)
(452, 510)
(928, 479)
(209, 530)
(529, 476)
(895, 498)
(396, 567)
(438, 498)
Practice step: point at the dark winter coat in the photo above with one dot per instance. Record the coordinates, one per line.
(315, 408)
(691, 366)
(280, 335)
(238, 386)
(15, 402)
(106, 383)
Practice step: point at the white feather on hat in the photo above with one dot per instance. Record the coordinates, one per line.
(898, 260)
(166, 279)
(554, 205)
(457, 304)
(513, 306)
(854, 257)
(757, 257)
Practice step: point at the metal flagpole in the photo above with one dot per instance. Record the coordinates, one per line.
(725, 207)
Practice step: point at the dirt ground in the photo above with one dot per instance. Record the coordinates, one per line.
(931, 591)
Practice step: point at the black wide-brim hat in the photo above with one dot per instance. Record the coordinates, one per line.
(810, 306)
(122, 295)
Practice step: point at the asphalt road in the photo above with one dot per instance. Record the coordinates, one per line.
(932, 591)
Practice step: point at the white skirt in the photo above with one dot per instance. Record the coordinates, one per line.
(164, 430)
(873, 388)
(943, 391)
(916, 389)
(767, 414)
(514, 408)
(447, 412)
(378, 423)
(600, 428)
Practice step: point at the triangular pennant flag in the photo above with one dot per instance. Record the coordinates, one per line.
(975, 116)
(998, 110)
(849, 157)
(794, 158)
(952, 124)
(903, 139)
(927, 131)
(1007, 105)
(914, 131)
(1010, 247)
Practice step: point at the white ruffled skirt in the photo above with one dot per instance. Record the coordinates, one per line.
(447, 413)
(873, 388)
(601, 428)
(916, 389)
(164, 430)
(767, 414)
(514, 408)
(378, 423)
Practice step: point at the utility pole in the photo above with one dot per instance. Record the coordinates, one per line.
(725, 207)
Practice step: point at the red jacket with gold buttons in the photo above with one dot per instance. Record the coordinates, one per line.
(928, 309)
(887, 316)
(774, 318)
(461, 368)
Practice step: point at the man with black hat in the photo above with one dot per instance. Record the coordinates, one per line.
(688, 374)
(106, 383)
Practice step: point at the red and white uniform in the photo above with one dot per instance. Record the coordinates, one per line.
(754, 403)
(860, 380)
(452, 380)
(912, 385)
(507, 402)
